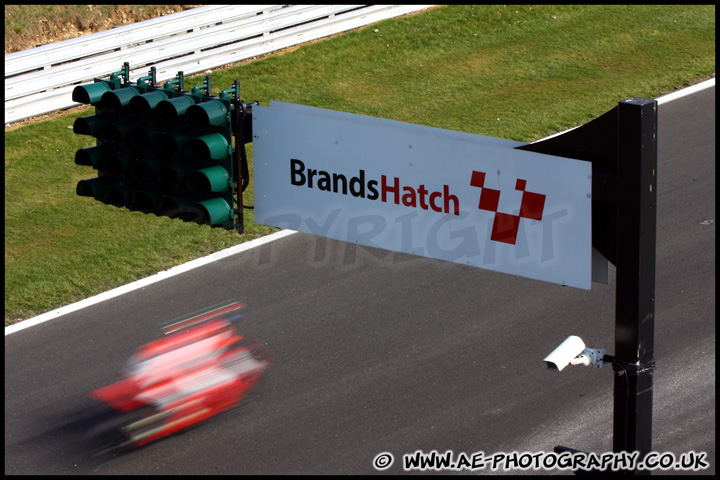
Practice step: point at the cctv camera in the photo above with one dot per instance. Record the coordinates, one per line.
(565, 353)
(573, 352)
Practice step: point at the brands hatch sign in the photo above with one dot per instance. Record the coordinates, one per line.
(447, 195)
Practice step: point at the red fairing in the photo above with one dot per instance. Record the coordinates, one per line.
(186, 377)
(120, 395)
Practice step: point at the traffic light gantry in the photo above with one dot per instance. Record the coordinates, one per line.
(164, 150)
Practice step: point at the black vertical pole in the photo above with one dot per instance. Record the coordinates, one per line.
(237, 131)
(622, 146)
(635, 290)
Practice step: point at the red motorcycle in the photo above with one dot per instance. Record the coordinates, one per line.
(200, 369)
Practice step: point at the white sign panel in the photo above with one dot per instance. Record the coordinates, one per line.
(452, 196)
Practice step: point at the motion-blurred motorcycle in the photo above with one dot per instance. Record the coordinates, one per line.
(199, 369)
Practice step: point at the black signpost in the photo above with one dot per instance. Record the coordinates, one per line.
(622, 146)
(635, 297)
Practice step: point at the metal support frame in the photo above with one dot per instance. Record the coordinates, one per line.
(242, 131)
(238, 154)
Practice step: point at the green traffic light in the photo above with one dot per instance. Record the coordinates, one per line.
(91, 125)
(214, 179)
(214, 211)
(213, 113)
(172, 142)
(116, 131)
(154, 151)
(119, 195)
(116, 99)
(120, 163)
(176, 206)
(146, 103)
(145, 167)
(90, 94)
(174, 108)
(143, 136)
(93, 156)
(213, 146)
(146, 201)
(94, 187)
(173, 175)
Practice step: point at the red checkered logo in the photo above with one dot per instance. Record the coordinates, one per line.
(505, 226)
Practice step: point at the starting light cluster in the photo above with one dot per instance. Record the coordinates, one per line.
(164, 150)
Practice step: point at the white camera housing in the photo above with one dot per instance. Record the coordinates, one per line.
(573, 352)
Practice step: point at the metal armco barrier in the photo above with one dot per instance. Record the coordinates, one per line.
(41, 80)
